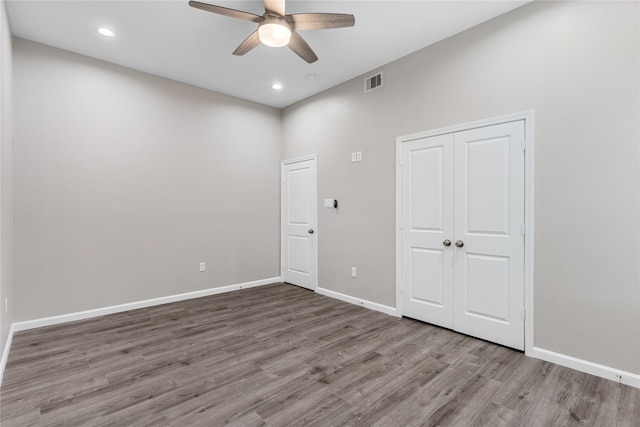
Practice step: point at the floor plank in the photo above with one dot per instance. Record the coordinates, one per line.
(280, 355)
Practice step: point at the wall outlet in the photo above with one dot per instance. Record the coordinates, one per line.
(358, 156)
(353, 157)
(354, 272)
(203, 266)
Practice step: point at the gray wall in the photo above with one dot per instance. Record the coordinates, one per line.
(577, 65)
(6, 179)
(124, 182)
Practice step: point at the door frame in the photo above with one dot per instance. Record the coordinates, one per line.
(284, 163)
(528, 117)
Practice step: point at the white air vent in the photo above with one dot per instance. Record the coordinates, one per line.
(373, 82)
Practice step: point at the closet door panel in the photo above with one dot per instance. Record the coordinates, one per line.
(489, 218)
(427, 218)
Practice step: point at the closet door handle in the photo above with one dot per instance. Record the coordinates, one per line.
(459, 244)
(446, 243)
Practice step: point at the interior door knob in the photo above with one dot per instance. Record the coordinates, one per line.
(447, 243)
(459, 243)
(310, 231)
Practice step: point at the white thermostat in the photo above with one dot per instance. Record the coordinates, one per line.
(330, 203)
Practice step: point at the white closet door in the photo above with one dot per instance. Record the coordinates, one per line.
(427, 222)
(462, 218)
(489, 220)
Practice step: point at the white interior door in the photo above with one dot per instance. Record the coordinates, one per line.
(299, 222)
(462, 219)
(489, 222)
(427, 229)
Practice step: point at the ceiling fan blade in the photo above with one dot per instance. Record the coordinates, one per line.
(320, 21)
(301, 48)
(249, 43)
(274, 6)
(246, 16)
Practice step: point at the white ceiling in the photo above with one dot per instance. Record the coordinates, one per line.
(170, 39)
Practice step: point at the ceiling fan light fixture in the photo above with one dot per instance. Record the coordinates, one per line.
(274, 33)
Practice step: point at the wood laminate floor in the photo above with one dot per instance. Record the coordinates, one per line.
(279, 355)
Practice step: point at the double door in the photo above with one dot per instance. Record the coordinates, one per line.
(462, 219)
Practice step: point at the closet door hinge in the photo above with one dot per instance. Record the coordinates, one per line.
(524, 144)
(524, 229)
(524, 314)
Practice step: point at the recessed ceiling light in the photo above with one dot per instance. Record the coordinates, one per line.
(106, 32)
(276, 86)
(311, 76)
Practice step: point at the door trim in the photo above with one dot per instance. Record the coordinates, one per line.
(528, 117)
(284, 163)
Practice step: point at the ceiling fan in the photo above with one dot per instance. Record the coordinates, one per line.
(276, 29)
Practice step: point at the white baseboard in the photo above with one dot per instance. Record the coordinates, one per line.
(368, 304)
(596, 369)
(5, 353)
(63, 318)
